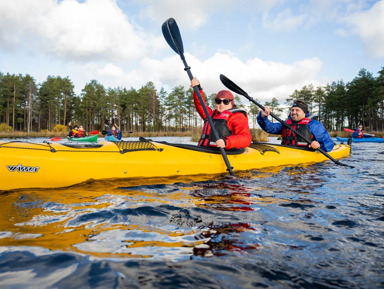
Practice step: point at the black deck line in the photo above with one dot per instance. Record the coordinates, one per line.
(211, 150)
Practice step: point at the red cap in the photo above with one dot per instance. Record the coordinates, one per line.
(226, 94)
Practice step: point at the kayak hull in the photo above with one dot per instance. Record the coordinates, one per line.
(368, 139)
(111, 138)
(52, 165)
(90, 138)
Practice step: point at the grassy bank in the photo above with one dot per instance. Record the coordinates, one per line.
(257, 134)
(48, 134)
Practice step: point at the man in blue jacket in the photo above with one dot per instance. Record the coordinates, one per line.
(299, 119)
(358, 133)
(114, 134)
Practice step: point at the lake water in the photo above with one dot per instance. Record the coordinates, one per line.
(317, 226)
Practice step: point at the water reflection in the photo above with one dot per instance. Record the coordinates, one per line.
(290, 227)
(118, 219)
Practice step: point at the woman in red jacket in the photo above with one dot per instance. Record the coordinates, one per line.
(231, 122)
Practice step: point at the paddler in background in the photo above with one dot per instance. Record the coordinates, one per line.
(358, 133)
(76, 131)
(231, 122)
(301, 121)
(81, 132)
(72, 130)
(114, 133)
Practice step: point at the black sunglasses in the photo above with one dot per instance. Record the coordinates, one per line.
(225, 101)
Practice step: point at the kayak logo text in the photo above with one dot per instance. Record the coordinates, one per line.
(22, 169)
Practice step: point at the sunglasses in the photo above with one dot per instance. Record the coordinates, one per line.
(225, 101)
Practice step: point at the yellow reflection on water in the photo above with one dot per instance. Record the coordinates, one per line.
(49, 218)
(41, 217)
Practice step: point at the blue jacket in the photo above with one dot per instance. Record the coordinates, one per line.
(356, 134)
(117, 135)
(315, 127)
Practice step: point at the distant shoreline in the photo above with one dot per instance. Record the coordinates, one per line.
(195, 135)
(21, 134)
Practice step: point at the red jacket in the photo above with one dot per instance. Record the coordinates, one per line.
(238, 124)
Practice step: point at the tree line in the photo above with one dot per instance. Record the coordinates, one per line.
(28, 106)
(340, 104)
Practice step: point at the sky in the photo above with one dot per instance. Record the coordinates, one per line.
(267, 47)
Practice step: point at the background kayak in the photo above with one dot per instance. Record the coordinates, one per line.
(111, 138)
(90, 138)
(369, 139)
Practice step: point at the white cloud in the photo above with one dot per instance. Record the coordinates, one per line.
(341, 32)
(93, 29)
(259, 78)
(95, 39)
(111, 71)
(283, 21)
(189, 14)
(369, 25)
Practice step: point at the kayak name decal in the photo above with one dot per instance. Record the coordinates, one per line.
(22, 169)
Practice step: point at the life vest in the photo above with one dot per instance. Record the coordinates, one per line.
(360, 133)
(74, 133)
(81, 133)
(220, 121)
(290, 138)
(115, 132)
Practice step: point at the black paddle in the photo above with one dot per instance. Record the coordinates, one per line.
(232, 86)
(172, 35)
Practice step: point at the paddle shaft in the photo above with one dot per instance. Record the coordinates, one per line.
(200, 97)
(173, 37)
(231, 85)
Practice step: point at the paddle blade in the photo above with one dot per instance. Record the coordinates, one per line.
(231, 85)
(94, 132)
(348, 130)
(55, 139)
(172, 35)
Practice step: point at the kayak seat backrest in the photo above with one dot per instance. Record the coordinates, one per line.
(133, 146)
(262, 148)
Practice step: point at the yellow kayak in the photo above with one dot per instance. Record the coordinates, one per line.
(52, 165)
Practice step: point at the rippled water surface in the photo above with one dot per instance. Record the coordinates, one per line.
(313, 226)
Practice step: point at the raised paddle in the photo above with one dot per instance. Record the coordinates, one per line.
(351, 130)
(232, 86)
(172, 35)
(104, 132)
